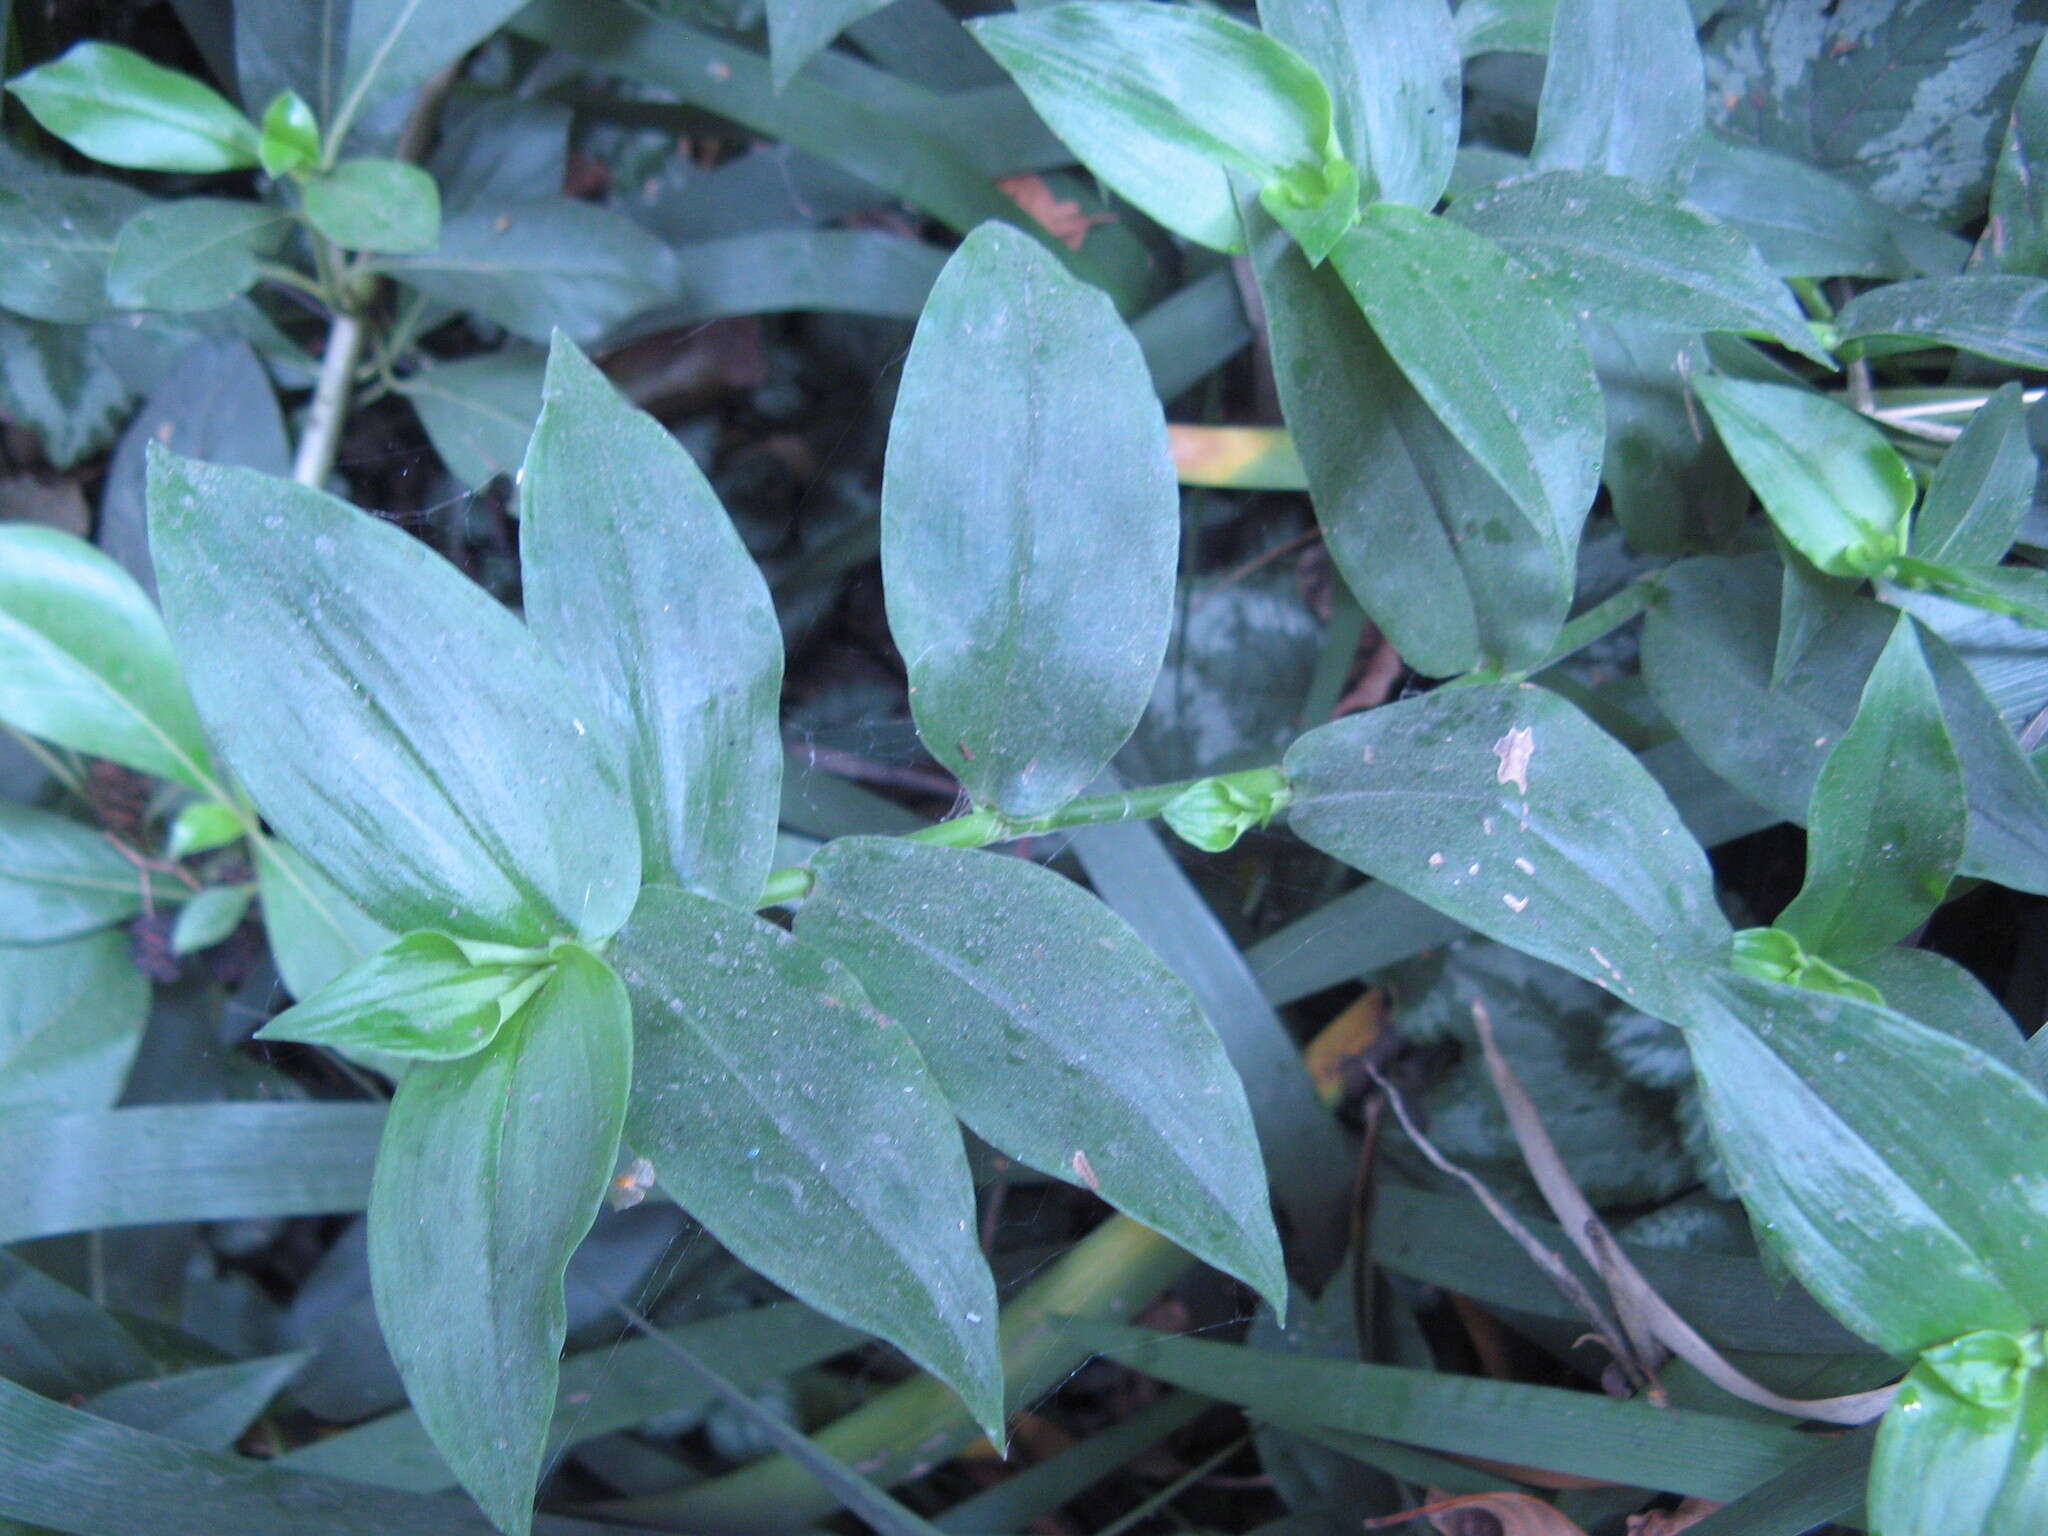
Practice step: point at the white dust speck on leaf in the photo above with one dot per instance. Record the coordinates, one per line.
(1514, 903)
(1083, 1169)
(1514, 751)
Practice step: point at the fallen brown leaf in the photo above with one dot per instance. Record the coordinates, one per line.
(1487, 1514)
(1669, 1522)
(1062, 217)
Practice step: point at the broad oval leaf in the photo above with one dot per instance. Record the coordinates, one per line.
(288, 135)
(195, 253)
(85, 662)
(420, 999)
(1612, 248)
(479, 412)
(113, 105)
(1831, 483)
(1624, 91)
(1500, 364)
(1163, 102)
(1434, 548)
(395, 46)
(637, 584)
(1901, 1173)
(489, 1172)
(2001, 317)
(534, 267)
(803, 1129)
(1946, 1464)
(1506, 808)
(1056, 1034)
(1932, 989)
(1394, 72)
(315, 932)
(1030, 526)
(71, 1016)
(367, 204)
(1884, 833)
(1981, 489)
(210, 916)
(396, 725)
(57, 234)
(59, 878)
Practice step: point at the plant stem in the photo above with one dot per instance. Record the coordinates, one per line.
(977, 829)
(328, 413)
(1602, 618)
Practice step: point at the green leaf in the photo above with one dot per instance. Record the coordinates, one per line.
(1162, 102)
(1447, 566)
(1885, 832)
(1673, 487)
(1775, 954)
(1030, 526)
(117, 107)
(1875, 1154)
(290, 135)
(1394, 68)
(1904, 97)
(1933, 990)
(196, 253)
(395, 46)
(800, 30)
(960, 947)
(375, 205)
(315, 932)
(2005, 318)
(57, 234)
(61, 381)
(1503, 806)
(2013, 592)
(1951, 1461)
(1609, 247)
(422, 999)
(473, 799)
(1981, 489)
(538, 266)
(71, 1016)
(490, 1171)
(803, 1129)
(1682, 1451)
(55, 1342)
(211, 1406)
(58, 878)
(615, 1386)
(1807, 223)
(85, 662)
(479, 412)
(1624, 91)
(201, 827)
(636, 582)
(1499, 363)
(1831, 483)
(211, 916)
(2017, 232)
(182, 1162)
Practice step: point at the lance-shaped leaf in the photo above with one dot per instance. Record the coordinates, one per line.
(1056, 1034)
(1612, 248)
(1504, 807)
(1030, 526)
(1434, 548)
(71, 1016)
(1964, 1446)
(636, 582)
(1624, 91)
(1885, 831)
(802, 1128)
(85, 662)
(490, 1171)
(1497, 360)
(1932, 989)
(422, 998)
(1831, 483)
(115, 106)
(1995, 316)
(1981, 489)
(402, 730)
(1393, 70)
(1163, 102)
(2018, 229)
(315, 932)
(59, 878)
(1901, 1173)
